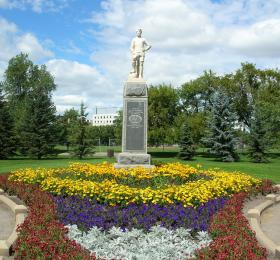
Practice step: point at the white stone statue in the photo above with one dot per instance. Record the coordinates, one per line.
(138, 48)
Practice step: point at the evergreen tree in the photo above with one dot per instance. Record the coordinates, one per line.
(22, 79)
(118, 127)
(7, 134)
(221, 139)
(80, 138)
(38, 134)
(67, 125)
(186, 143)
(258, 141)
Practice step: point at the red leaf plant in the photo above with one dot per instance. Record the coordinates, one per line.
(232, 236)
(41, 236)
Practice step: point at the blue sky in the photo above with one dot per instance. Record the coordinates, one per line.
(62, 29)
(85, 43)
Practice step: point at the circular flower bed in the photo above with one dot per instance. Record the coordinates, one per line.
(168, 184)
(168, 212)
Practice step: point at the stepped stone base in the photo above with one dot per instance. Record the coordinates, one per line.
(130, 160)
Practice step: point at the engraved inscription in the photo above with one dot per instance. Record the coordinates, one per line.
(135, 126)
(135, 119)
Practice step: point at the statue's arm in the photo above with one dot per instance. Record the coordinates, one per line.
(147, 45)
(132, 46)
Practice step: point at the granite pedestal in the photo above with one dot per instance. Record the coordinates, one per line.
(135, 125)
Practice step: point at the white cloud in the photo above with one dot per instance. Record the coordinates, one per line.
(78, 82)
(176, 30)
(260, 39)
(28, 43)
(187, 36)
(37, 6)
(4, 3)
(168, 24)
(12, 42)
(73, 48)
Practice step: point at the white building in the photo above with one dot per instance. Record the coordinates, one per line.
(104, 119)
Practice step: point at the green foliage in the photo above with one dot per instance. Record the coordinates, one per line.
(221, 139)
(162, 111)
(104, 133)
(195, 95)
(18, 76)
(258, 141)
(118, 127)
(244, 87)
(7, 134)
(38, 134)
(24, 83)
(198, 126)
(80, 137)
(186, 143)
(268, 100)
(66, 126)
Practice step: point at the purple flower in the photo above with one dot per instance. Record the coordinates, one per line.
(86, 213)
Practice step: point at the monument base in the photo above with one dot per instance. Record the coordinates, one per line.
(135, 123)
(125, 166)
(134, 158)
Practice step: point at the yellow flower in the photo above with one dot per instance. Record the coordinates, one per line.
(102, 183)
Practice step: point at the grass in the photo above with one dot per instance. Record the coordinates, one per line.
(269, 170)
(11, 165)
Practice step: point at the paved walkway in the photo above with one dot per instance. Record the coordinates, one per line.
(270, 223)
(7, 221)
(270, 219)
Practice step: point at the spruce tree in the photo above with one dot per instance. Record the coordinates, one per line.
(221, 138)
(186, 143)
(80, 138)
(22, 81)
(7, 134)
(38, 136)
(258, 141)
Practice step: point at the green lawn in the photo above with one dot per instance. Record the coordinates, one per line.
(269, 170)
(11, 165)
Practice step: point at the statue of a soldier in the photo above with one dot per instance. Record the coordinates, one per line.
(138, 48)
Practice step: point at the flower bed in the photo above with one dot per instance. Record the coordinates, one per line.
(87, 214)
(172, 207)
(159, 244)
(208, 185)
(41, 236)
(233, 238)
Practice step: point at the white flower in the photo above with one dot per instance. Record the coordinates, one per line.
(158, 244)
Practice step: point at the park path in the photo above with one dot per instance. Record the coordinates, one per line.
(270, 220)
(7, 221)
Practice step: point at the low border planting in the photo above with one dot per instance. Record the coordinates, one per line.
(41, 236)
(232, 235)
(158, 244)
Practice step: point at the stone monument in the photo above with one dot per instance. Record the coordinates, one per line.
(135, 110)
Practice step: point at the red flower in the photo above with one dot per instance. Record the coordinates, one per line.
(41, 236)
